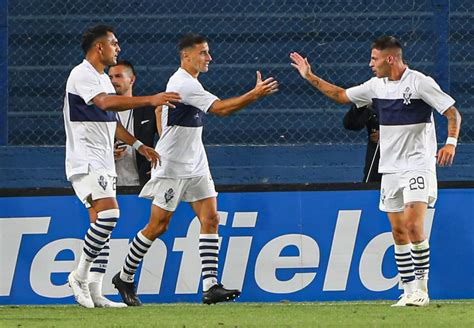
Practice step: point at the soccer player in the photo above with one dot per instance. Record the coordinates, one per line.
(404, 99)
(91, 127)
(184, 173)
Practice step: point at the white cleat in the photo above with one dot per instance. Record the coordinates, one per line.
(103, 302)
(418, 298)
(80, 289)
(402, 300)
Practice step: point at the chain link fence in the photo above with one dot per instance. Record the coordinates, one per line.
(245, 36)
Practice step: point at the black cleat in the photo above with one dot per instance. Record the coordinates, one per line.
(218, 293)
(127, 290)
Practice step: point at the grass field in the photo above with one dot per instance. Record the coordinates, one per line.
(340, 314)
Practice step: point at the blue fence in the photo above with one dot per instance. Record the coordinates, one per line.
(245, 36)
(298, 246)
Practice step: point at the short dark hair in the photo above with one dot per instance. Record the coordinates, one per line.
(92, 34)
(127, 64)
(386, 42)
(190, 40)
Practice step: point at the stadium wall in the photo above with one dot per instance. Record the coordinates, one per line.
(40, 167)
(287, 245)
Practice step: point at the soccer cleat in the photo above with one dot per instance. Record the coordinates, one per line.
(80, 289)
(218, 293)
(103, 302)
(418, 298)
(402, 300)
(127, 290)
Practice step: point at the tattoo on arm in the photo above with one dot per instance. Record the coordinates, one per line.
(454, 122)
(333, 95)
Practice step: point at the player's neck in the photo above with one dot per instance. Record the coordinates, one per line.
(192, 71)
(95, 62)
(397, 72)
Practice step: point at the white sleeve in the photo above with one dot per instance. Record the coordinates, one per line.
(87, 86)
(194, 94)
(431, 93)
(361, 95)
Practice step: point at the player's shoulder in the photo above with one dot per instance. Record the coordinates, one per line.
(182, 80)
(182, 75)
(81, 71)
(422, 81)
(373, 83)
(418, 76)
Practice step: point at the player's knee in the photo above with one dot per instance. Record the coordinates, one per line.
(162, 227)
(400, 235)
(212, 221)
(156, 228)
(414, 227)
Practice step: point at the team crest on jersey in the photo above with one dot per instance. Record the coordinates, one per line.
(169, 194)
(407, 96)
(102, 182)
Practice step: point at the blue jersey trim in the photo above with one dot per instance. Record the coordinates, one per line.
(397, 112)
(79, 111)
(185, 115)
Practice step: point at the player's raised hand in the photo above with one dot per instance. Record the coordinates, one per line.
(165, 98)
(446, 155)
(265, 87)
(150, 154)
(301, 64)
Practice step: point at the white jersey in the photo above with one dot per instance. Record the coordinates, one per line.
(407, 129)
(180, 145)
(90, 131)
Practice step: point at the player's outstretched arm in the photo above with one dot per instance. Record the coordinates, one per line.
(331, 91)
(447, 152)
(116, 103)
(262, 88)
(149, 153)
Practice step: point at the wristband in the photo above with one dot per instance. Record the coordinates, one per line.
(137, 144)
(452, 141)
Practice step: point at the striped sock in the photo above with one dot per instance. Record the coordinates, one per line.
(209, 252)
(405, 267)
(97, 272)
(137, 251)
(95, 240)
(421, 259)
(100, 263)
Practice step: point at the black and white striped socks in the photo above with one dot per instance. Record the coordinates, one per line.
(421, 260)
(405, 267)
(209, 252)
(95, 240)
(138, 248)
(100, 263)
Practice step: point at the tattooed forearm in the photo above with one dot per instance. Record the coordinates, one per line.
(329, 90)
(454, 121)
(334, 95)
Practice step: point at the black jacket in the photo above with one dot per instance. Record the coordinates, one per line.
(144, 127)
(356, 119)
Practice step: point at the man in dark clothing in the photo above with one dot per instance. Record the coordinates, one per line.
(132, 168)
(356, 119)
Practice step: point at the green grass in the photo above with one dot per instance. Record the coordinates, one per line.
(340, 314)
